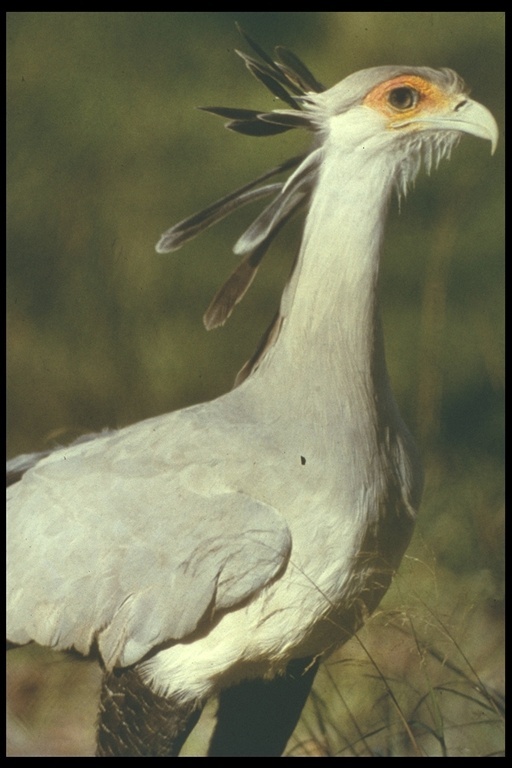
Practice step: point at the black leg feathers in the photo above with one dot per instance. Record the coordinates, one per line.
(256, 718)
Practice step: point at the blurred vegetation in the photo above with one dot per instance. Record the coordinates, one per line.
(105, 151)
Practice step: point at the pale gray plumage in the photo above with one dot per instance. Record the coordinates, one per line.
(262, 527)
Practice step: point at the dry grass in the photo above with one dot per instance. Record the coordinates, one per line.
(424, 680)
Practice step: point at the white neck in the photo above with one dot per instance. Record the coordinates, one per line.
(330, 343)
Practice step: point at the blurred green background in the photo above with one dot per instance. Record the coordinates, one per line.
(105, 151)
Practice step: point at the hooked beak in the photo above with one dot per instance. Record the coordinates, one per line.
(467, 116)
(473, 118)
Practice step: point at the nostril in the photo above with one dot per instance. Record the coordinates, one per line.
(461, 104)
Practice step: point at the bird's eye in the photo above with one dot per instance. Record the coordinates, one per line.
(403, 98)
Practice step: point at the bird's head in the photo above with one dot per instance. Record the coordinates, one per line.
(415, 112)
(403, 115)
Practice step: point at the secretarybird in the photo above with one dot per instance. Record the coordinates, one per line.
(226, 548)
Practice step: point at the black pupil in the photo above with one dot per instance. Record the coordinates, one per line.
(402, 98)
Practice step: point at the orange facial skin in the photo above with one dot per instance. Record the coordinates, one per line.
(408, 96)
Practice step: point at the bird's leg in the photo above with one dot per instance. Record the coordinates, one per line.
(257, 717)
(135, 722)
